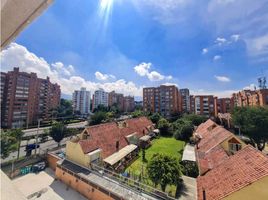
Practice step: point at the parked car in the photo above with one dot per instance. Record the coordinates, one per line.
(39, 167)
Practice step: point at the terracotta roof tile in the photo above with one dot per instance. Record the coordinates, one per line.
(238, 171)
(105, 136)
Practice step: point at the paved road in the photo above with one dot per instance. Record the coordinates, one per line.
(33, 131)
(50, 144)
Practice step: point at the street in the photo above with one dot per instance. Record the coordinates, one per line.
(33, 131)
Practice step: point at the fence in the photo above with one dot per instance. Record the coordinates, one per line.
(129, 182)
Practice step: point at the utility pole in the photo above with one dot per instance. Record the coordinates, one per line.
(36, 137)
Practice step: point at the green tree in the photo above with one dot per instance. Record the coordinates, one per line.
(164, 127)
(183, 129)
(64, 110)
(253, 122)
(195, 119)
(155, 118)
(7, 146)
(97, 118)
(137, 113)
(17, 134)
(58, 131)
(164, 170)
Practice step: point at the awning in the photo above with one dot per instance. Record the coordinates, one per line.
(145, 138)
(114, 158)
(156, 131)
(189, 153)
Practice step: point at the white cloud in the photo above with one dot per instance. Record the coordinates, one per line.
(155, 76)
(64, 70)
(235, 37)
(220, 40)
(222, 78)
(204, 51)
(217, 57)
(219, 94)
(143, 69)
(18, 56)
(103, 77)
(165, 11)
(258, 45)
(169, 84)
(252, 86)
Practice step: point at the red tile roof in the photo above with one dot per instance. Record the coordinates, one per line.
(105, 136)
(209, 152)
(203, 128)
(240, 170)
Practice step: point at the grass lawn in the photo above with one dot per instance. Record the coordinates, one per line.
(164, 145)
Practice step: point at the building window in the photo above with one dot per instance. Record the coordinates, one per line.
(234, 147)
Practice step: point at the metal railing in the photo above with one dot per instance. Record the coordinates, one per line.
(131, 183)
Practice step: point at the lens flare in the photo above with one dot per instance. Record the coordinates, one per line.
(105, 10)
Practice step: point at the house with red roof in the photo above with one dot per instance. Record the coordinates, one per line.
(215, 144)
(101, 141)
(242, 176)
(228, 168)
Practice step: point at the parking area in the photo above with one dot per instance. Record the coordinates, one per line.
(43, 186)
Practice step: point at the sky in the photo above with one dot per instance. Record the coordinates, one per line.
(209, 46)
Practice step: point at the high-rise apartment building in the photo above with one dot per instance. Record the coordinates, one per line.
(25, 98)
(223, 105)
(116, 99)
(163, 99)
(185, 100)
(129, 104)
(251, 98)
(81, 101)
(192, 104)
(204, 105)
(100, 97)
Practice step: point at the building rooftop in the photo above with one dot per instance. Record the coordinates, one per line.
(104, 182)
(209, 151)
(117, 156)
(106, 136)
(189, 153)
(240, 170)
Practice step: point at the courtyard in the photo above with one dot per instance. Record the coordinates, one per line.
(165, 145)
(43, 186)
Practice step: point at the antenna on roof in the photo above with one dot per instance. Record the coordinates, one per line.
(262, 82)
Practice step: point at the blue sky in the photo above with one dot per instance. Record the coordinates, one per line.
(211, 47)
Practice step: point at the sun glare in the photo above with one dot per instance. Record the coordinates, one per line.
(105, 10)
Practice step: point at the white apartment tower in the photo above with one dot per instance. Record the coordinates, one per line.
(100, 98)
(81, 101)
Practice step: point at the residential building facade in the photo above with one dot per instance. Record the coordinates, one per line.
(185, 100)
(223, 105)
(163, 99)
(129, 104)
(204, 105)
(100, 97)
(228, 168)
(116, 99)
(251, 98)
(81, 101)
(25, 98)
